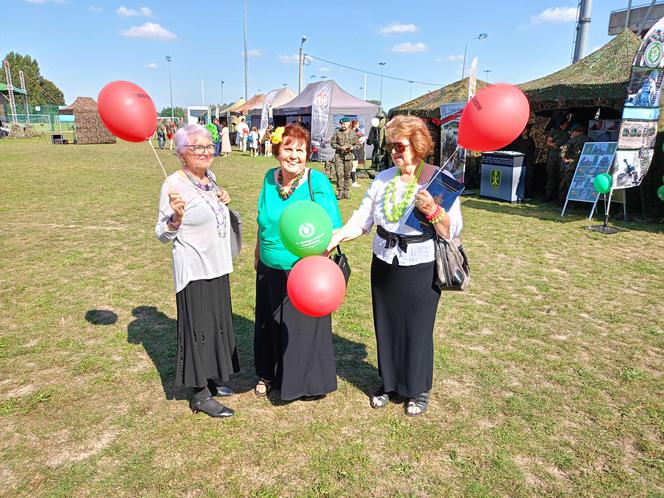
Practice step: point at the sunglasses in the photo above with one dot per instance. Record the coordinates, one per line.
(397, 146)
(200, 150)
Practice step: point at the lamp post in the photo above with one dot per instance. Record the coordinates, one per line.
(170, 86)
(486, 72)
(222, 92)
(246, 55)
(301, 63)
(481, 36)
(381, 64)
(410, 89)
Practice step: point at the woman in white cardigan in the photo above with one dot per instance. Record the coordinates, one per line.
(403, 296)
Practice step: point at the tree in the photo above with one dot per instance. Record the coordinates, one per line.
(40, 90)
(373, 101)
(177, 111)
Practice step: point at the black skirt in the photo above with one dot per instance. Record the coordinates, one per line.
(292, 350)
(404, 303)
(206, 341)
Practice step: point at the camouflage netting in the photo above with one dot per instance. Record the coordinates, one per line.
(89, 127)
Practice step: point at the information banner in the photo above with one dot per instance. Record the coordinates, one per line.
(596, 158)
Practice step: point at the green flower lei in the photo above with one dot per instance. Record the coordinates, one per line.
(393, 210)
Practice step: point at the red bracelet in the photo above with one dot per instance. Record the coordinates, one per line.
(435, 214)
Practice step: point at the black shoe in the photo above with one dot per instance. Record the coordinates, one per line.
(211, 407)
(221, 391)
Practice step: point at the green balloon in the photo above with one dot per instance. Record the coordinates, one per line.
(602, 183)
(660, 192)
(305, 228)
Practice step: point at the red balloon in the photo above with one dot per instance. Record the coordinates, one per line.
(493, 118)
(127, 111)
(316, 286)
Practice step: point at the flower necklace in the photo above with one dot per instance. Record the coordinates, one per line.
(394, 210)
(285, 193)
(218, 208)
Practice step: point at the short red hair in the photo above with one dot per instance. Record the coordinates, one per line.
(294, 133)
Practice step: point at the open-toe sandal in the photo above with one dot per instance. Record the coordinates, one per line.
(379, 399)
(417, 405)
(263, 387)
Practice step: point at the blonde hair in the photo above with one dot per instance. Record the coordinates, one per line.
(415, 130)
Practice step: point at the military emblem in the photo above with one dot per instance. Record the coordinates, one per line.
(495, 177)
(653, 54)
(306, 230)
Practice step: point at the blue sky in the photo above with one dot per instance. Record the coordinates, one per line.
(83, 44)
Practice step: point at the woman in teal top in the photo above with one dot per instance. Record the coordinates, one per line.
(292, 351)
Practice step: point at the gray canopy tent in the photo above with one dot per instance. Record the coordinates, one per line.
(321, 105)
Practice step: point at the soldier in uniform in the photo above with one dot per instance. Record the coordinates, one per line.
(344, 142)
(556, 138)
(569, 157)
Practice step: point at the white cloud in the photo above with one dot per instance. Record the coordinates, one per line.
(95, 8)
(293, 59)
(125, 12)
(41, 2)
(398, 29)
(455, 57)
(150, 31)
(324, 69)
(408, 47)
(254, 52)
(556, 15)
(151, 65)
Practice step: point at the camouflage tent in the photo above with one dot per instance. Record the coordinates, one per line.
(89, 127)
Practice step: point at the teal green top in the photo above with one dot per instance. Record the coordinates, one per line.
(270, 207)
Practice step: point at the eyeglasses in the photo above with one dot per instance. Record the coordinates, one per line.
(200, 150)
(398, 146)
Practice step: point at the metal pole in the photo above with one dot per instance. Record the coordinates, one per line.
(627, 14)
(381, 64)
(170, 85)
(246, 55)
(365, 87)
(300, 81)
(465, 51)
(410, 90)
(27, 107)
(486, 78)
(645, 18)
(583, 23)
(222, 92)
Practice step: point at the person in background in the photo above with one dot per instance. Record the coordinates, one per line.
(525, 144)
(252, 140)
(557, 137)
(217, 150)
(403, 296)
(243, 133)
(225, 141)
(170, 132)
(358, 153)
(292, 351)
(344, 142)
(267, 141)
(194, 217)
(161, 135)
(569, 157)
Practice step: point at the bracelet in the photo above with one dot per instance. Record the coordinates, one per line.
(173, 223)
(434, 214)
(437, 217)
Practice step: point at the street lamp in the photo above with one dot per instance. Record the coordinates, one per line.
(410, 88)
(222, 92)
(381, 64)
(481, 36)
(301, 63)
(486, 72)
(170, 85)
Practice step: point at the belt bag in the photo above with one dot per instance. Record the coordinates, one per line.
(452, 269)
(339, 258)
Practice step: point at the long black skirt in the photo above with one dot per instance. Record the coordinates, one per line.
(404, 308)
(292, 350)
(206, 341)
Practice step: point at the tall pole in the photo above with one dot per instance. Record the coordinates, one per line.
(582, 25)
(202, 92)
(27, 107)
(645, 18)
(627, 14)
(246, 55)
(170, 86)
(481, 36)
(486, 72)
(222, 92)
(381, 64)
(410, 89)
(365, 87)
(300, 82)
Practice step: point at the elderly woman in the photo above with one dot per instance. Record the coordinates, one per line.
(292, 351)
(193, 215)
(402, 270)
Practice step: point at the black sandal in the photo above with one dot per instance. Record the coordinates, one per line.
(421, 401)
(379, 399)
(264, 383)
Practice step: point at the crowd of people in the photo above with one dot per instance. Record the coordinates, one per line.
(293, 352)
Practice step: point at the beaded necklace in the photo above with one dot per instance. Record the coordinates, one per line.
(394, 210)
(285, 193)
(216, 207)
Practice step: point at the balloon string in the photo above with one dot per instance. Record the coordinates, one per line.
(157, 156)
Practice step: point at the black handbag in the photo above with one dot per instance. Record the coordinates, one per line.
(236, 233)
(339, 258)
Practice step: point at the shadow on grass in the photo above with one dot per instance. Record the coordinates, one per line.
(352, 367)
(101, 317)
(157, 333)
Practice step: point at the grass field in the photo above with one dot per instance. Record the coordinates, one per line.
(548, 371)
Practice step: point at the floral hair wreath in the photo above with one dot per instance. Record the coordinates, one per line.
(277, 135)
